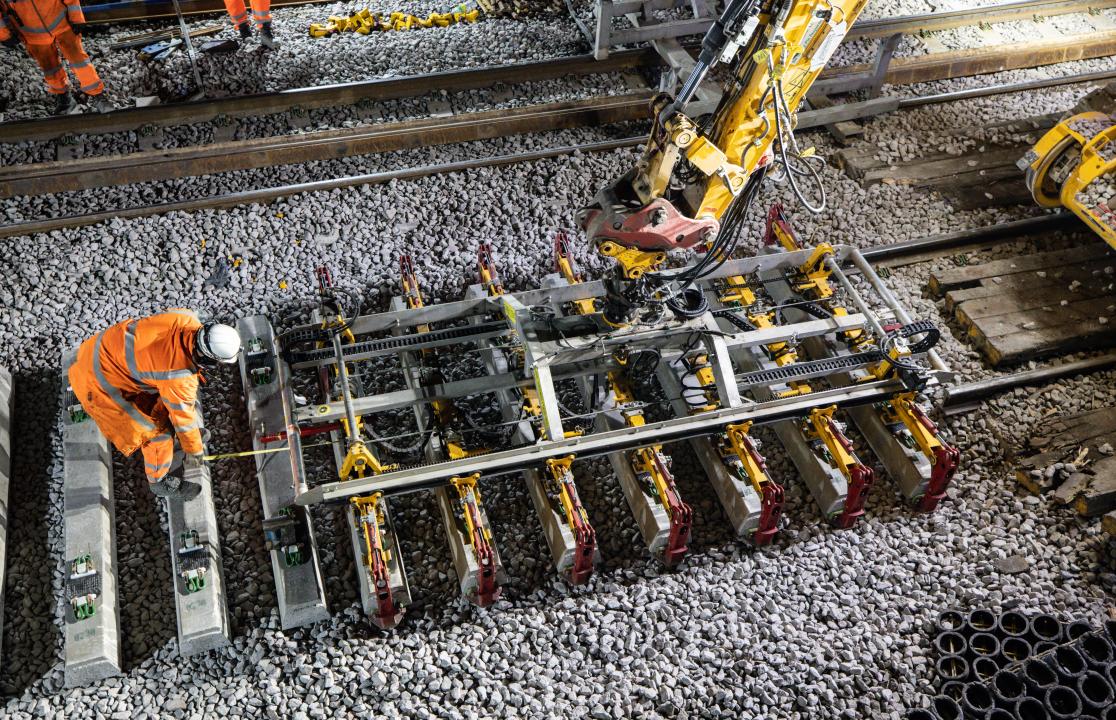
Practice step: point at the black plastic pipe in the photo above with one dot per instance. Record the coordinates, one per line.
(1109, 714)
(1095, 693)
(1110, 631)
(1030, 709)
(953, 667)
(946, 708)
(951, 620)
(984, 668)
(984, 644)
(980, 620)
(920, 714)
(949, 642)
(1110, 674)
(1015, 650)
(1008, 688)
(1096, 650)
(1014, 624)
(1043, 646)
(1077, 628)
(976, 700)
(953, 689)
(1068, 663)
(1046, 627)
(1039, 677)
(999, 714)
(1062, 703)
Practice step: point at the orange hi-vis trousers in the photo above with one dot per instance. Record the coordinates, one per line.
(68, 44)
(261, 12)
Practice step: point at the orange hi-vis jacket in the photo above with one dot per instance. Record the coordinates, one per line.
(42, 21)
(138, 377)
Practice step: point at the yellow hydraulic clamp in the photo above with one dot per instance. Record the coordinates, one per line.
(366, 22)
(370, 517)
(824, 433)
(560, 485)
(1074, 166)
(468, 493)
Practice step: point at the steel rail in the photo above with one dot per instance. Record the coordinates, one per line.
(336, 95)
(990, 14)
(807, 119)
(962, 397)
(53, 177)
(521, 458)
(1029, 85)
(41, 178)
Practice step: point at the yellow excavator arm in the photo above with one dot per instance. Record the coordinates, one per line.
(696, 178)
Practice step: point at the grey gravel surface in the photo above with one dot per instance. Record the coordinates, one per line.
(824, 624)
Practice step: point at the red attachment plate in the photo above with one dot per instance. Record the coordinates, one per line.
(946, 460)
(585, 538)
(657, 226)
(860, 482)
(771, 509)
(487, 591)
(681, 518)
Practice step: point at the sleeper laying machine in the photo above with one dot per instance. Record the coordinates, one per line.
(681, 340)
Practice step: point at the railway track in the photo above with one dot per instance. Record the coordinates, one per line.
(943, 65)
(106, 171)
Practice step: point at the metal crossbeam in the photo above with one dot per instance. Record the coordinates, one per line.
(497, 463)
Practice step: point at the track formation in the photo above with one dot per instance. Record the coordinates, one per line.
(825, 624)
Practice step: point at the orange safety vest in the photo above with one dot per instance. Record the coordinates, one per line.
(138, 377)
(40, 21)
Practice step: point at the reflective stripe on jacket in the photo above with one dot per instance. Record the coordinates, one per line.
(41, 21)
(138, 377)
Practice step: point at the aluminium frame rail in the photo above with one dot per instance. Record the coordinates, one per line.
(547, 359)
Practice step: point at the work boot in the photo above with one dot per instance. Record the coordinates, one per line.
(266, 38)
(175, 488)
(101, 103)
(64, 104)
(245, 30)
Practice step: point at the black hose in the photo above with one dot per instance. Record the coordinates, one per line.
(1047, 627)
(1062, 703)
(1014, 624)
(1096, 649)
(952, 667)
(1008, 689)
(1015, 650)
(921, 714)
(1095, 692)
(946, 708)
(688, 304)
(954, 689)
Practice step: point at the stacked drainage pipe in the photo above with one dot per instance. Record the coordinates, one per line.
(1012, 666)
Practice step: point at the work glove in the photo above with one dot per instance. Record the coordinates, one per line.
(11, 43)
(193, 461)
(77, 27)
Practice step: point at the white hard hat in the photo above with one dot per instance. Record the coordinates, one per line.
(218, 342)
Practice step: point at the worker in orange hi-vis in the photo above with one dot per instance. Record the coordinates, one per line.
(50, 28)
(261, 16)
(138, 380)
